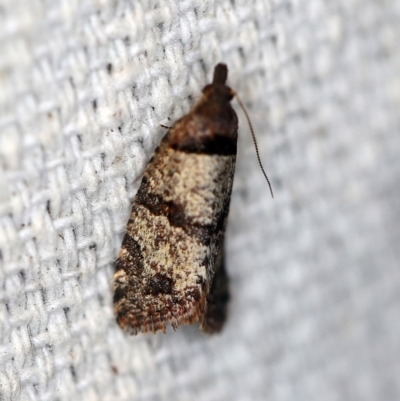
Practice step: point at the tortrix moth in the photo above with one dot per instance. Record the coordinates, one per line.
(171, 266)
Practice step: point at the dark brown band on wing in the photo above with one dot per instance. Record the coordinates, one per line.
(174, 212)
(216, 145)
(135, 255)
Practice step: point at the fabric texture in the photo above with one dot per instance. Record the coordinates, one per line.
(315, 278)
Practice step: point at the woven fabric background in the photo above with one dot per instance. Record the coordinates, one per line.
(315, 275)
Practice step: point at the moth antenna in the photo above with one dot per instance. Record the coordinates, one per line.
(254, 140)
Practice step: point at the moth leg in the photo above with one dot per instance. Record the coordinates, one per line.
(217, 300)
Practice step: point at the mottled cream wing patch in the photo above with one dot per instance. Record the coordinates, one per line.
(186, 270)
(160, 241)
(185, 254)
(197, 181)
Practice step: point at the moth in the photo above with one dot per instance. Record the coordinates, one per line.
(170, 268)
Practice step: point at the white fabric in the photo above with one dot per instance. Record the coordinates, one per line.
(314, 273)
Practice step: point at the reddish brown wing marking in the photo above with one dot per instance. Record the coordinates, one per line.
(170, 268)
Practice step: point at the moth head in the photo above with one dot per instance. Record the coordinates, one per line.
(218, 92)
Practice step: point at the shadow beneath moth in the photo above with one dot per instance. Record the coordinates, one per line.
(171, 265)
